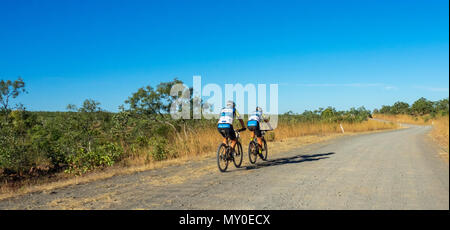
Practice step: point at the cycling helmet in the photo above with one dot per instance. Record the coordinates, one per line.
(258, 109)
(231, 104)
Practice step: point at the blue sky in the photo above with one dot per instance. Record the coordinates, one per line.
(338, 53)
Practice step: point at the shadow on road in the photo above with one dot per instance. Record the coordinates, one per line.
(290, 160)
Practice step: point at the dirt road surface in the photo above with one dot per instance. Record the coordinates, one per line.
(397, 169)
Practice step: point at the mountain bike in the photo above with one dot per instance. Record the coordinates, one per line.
(253, 149)
(225, 153)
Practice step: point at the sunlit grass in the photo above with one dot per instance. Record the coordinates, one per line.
(440, 131)
(206, 140)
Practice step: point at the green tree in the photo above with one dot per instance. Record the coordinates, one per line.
(441, 107)
(328, 114)
(15, 151)
(10, 90)
(422, 106)
(154, 105)
(89, 122)
(400, 108)
(385, 109)
(152, 102)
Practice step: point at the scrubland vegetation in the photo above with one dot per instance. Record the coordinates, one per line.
(86, 138)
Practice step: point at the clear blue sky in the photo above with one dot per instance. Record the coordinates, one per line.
(339, 53)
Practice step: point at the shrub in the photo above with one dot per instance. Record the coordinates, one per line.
(143, 141)
(85, 160)
(14, 156)
(159, 148)
(16, 153)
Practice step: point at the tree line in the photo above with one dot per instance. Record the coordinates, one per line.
(420, 107)
(328, 115)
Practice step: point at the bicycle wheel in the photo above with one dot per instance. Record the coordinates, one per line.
(252, 152)
(265, 151)
(238, 155)
(222, 161)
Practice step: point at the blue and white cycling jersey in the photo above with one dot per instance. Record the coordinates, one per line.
(254, 119)
(227, 116)
(256, 116)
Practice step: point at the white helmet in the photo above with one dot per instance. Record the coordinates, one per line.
(231, 104)
(259, 109)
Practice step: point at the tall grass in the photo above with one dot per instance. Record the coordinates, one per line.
(440, 131)
(206, 140)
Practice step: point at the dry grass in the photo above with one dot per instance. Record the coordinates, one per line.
(71, 203)
(302, 129)
(407, 119)
(199, 145)
(440, 131)
(206, 140)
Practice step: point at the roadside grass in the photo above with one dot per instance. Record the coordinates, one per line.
(207, 140)
(197, 145)
(440, 132)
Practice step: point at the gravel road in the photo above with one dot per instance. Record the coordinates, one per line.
(397, 169)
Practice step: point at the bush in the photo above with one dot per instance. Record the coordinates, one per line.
(16, 152)
(87, 160)
(143, 141)
(159, 148)
(14, 157)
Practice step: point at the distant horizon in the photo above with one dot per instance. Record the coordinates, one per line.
(342, 54)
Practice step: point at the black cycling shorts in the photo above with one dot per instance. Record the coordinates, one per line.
(227, 132)
(255, 129)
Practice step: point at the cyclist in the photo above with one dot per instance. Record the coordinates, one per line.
(225, 124)
(253, 125)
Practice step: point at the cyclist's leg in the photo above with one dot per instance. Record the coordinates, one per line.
(260, 141)
(259, 136)
(224, 133)
(252, 131)
(233, 143)
(232, 136)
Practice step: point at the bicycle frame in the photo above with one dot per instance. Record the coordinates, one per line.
(263, 133)
(228, 153)
(254, 142)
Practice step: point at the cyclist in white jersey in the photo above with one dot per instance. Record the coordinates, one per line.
(225, 124)
(253, 125)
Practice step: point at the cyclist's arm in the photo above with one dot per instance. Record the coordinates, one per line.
(265, 119)
(238, 116)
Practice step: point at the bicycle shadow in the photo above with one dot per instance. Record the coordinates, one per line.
(289, 160)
